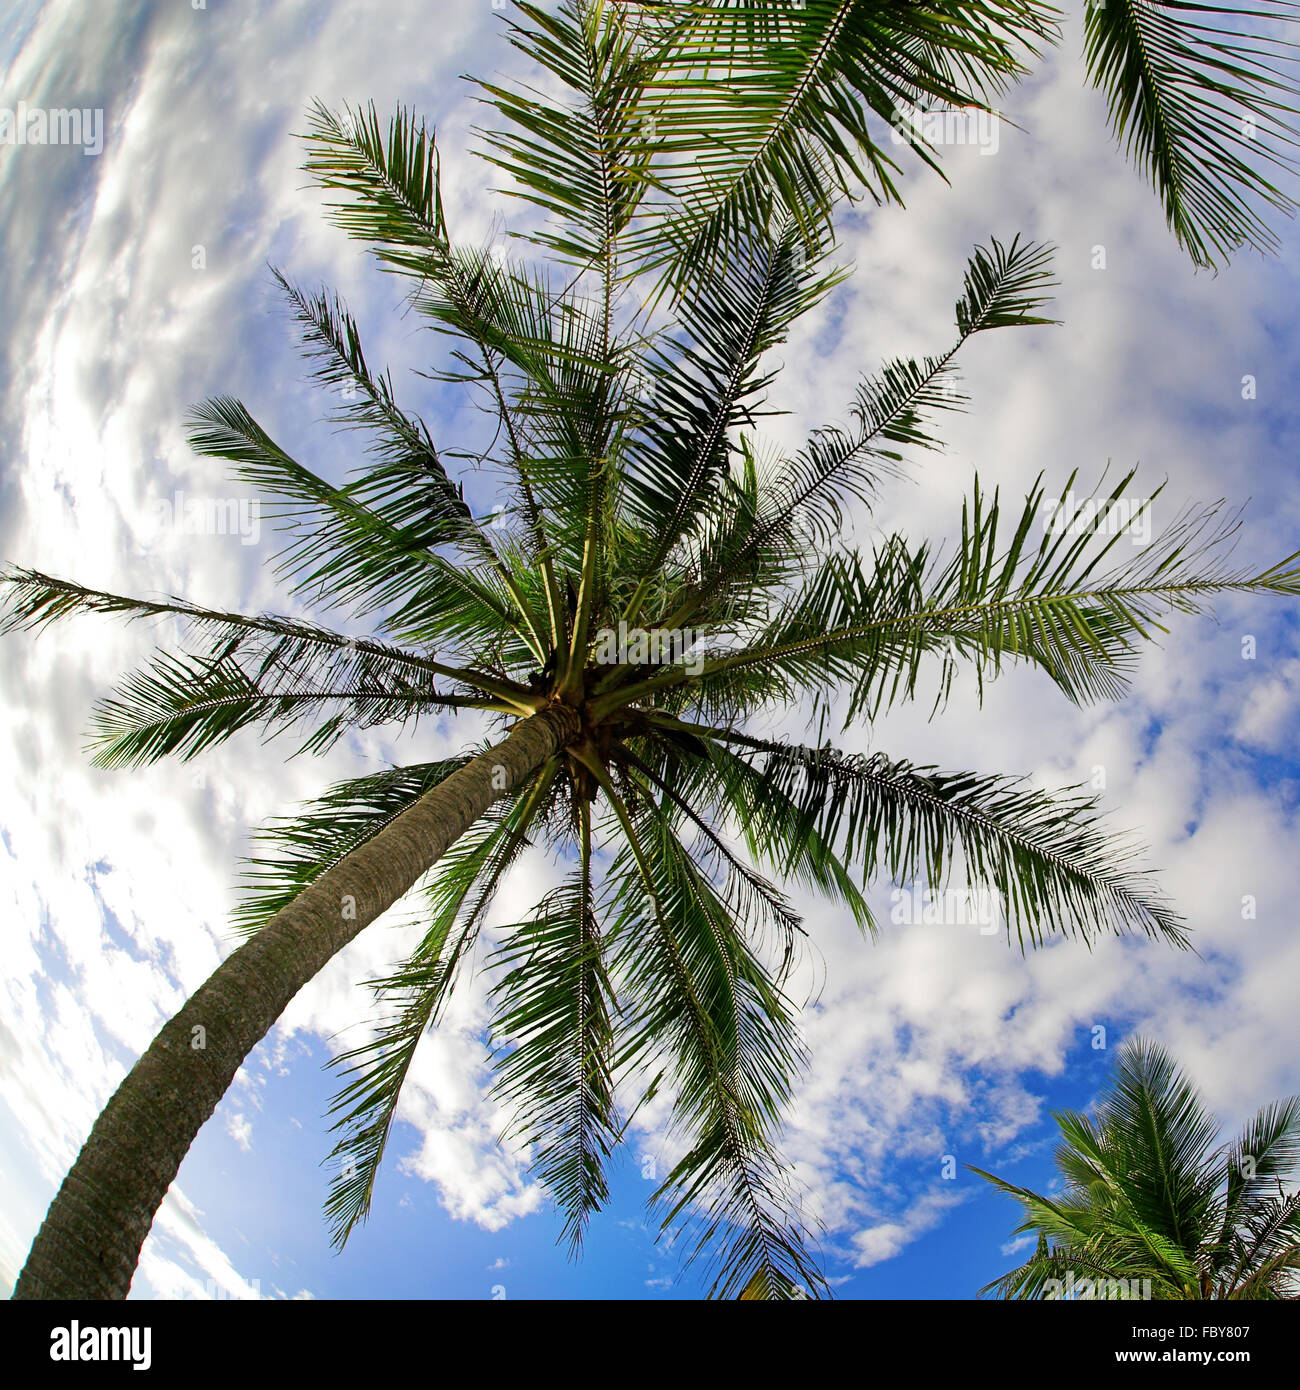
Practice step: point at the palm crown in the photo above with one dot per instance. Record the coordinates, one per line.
(1148, 1201)
(659, 574)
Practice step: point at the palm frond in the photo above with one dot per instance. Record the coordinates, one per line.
(183, 705)
(1268, 1148)
(865, 627)
(706, 381)
(268, 640)
(1004, 287)
(460, 893)
(390, 178)
(1052, 863)
(393, 202)
(585, 160)
(265, 669)
(750, 897)
(1198, 100)
(344, 553)
(1144, 1197)
(772, 826)
(325, 831)
(1152, 1120)
(704, 1000)
(407, 482)
(554, 1019)
(761, 109)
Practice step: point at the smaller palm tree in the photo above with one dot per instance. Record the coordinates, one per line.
(1149, 1207)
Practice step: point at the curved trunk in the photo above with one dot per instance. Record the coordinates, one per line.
(89, 1242)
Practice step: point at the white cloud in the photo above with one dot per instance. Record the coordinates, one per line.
(875, 1244)
(240, 1130)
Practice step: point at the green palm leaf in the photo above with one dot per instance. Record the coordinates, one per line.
(762, 109)
(459, 895)
(1147, 1201)
(1199, 106)
(324, 832)
(555, 1020)
(585, 161)
(707, 1002)
(1053, 865)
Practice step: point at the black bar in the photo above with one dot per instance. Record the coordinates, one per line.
(366, 1338)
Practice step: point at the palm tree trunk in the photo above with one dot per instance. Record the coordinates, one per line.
(90, 1241)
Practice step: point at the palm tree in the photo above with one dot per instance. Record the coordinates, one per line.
(652, 585)
(1148, 1205)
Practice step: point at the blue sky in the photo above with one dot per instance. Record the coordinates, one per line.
(935, 1041)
